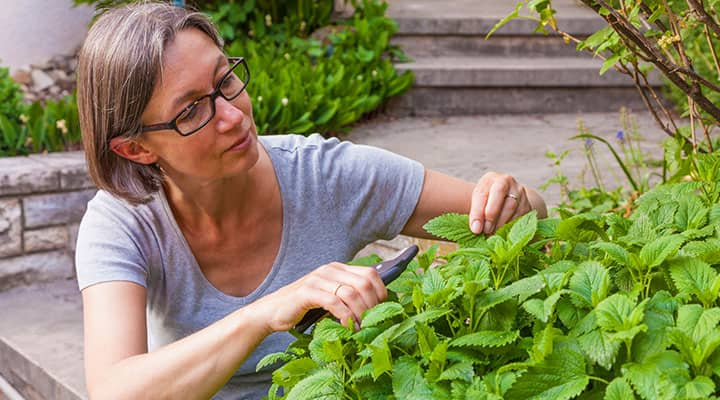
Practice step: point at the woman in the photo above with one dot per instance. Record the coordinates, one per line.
(206, 243)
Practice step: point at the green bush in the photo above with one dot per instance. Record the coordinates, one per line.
(11, 97)
(588, 305)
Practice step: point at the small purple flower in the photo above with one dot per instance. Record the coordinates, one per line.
(620, 136)
(589, 143)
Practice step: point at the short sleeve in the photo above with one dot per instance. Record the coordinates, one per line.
(108, 247)
(374, 191)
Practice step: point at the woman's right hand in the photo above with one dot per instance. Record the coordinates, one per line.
(343, 290)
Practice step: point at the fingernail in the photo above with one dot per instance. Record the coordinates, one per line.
(476, 227)
(357, 326)
(488, 227)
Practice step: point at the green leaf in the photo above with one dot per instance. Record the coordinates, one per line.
(454, 227)
(657, 251)
(691, 214)
(561, 376)
(463, 371)
(325, 383)
(380, 313)
(293, 371)
(701, 387)
(408, 381)
(543, 309)
(616, 252)
(619, 389)
(649, 378)
(272, 359)
(619, 313)
(486, 339)
(600, 348)
(523, 230)
(693, 277)
(381, 359)
(589, 284)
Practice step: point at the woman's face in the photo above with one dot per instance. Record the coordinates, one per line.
(227, 145)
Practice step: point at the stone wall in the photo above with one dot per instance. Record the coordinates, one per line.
(42, 198)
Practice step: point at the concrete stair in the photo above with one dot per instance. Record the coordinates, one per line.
(517, 70)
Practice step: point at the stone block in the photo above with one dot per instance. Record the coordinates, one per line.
(10, 228)
(20, 175)
(56, 208)
(71, 167)
(52, 238)
(35, 268)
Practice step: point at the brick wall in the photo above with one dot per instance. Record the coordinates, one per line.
(42, 198)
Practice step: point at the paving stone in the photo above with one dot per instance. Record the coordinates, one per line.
(10, 227)
(56, 208)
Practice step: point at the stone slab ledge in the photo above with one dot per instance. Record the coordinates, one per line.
(39, 173)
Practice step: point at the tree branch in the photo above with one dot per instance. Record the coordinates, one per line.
(698, 9)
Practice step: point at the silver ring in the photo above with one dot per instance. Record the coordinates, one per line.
(514, 197)
(336, 289)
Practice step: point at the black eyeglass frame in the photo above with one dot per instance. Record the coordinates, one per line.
(172, 124)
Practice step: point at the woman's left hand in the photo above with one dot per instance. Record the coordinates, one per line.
(496, 200)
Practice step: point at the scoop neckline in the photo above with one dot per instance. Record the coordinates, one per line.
(269, 278)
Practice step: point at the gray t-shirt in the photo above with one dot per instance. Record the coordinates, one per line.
(337, 197)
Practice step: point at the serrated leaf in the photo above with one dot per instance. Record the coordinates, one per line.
(454, 227)
(330, 329)
(463, 371)
(657, 251)
(691, 214)
(363, 372)
(616, 252)
(523, 230)
(600, 348)
(543, 309)
(408, 381)
(486, 339)
(707, 250)
(561, 376)
(589, 284)
(293, 371)
(648, 378)
(619, 313)
(701, 387)
(272, 359)
(380, 313)
(381, 359)
(325, 383)
(693, 277)
(619, 389)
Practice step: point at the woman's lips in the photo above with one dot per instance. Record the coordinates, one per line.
(242, 143)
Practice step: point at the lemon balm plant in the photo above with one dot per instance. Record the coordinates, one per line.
(588, 305)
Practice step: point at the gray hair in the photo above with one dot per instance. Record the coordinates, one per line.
(119, 64)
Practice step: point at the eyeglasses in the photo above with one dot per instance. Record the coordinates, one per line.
(196, 115)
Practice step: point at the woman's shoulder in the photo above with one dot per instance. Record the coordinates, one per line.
(108, 210)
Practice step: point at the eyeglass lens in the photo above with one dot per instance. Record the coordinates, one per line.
(202, 111)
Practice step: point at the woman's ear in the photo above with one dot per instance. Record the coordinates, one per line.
(132, 150)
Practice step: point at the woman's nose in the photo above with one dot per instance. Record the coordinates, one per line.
(228, 115)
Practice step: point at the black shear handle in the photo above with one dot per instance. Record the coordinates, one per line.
(389, 270)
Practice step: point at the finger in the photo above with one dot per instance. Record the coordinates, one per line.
(479, 200)
(494, 205)
(365, 281)
(335, 306)
(508, 210)
(524, 206)
(353, 300)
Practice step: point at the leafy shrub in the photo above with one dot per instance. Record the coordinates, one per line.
(590, 305)
(41, 127)
(11, 97)
(306, 85)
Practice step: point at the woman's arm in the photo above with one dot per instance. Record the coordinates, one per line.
(491, 203)
(118, 365)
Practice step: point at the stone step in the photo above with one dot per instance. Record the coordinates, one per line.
(478, 17)
(41, 341)
(512, 72)
(422, 46)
